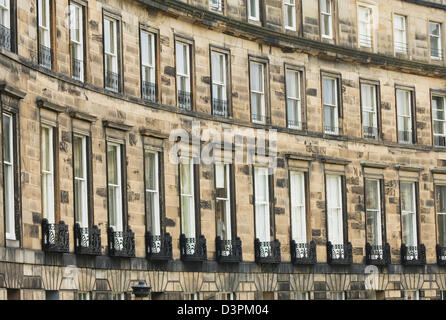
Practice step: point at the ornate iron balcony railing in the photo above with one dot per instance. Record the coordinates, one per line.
(45, 57)
(437, 53)
(228, 250)
(405, 136)
(5, 38)
(121, 243)
(331, 130)
(303, 253)
(112, 81)
(370, 132)
(158, 248)
(220, 107)
(87, 240)
(184, 100)
(339, 254)
(78, 68)
(55, 237)
(259, 118)
(440, 141)
(378, 255)
(193, 249)
(413, 255)
(441, 255)
(267, 252)
(149, 91)
(297, 125)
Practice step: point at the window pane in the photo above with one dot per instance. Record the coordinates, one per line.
(78, 157)
(150, 166)
(7, 147)
(329, 91)
(112, 158)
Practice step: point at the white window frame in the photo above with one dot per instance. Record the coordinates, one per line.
(330, 20)
(146, 62)
(262, 222)
(369, 107)
(260, 93)
(116, 189)
(256, 8)
(219, 84)
(82, 213)
(77, 22)
(188, 230)
(400, 47)
(377, 216)
(9, 179)
(439, 55)
(45, 26)
(365, 40)
(438, 188)
(5, 13)
(436, 119)
(48, 194)
(334, 107)
(287, 5)
(413, 213)
(298, 208)
(401, 113)
(184, 78)
(227, 198)
(335, 215)
(155, 216)
(216, 5)
(295, 123)
(111, 46)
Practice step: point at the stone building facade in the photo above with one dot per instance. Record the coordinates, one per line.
(97, 86)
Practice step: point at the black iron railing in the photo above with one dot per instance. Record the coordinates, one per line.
(405, 136)
(441, 255)
(184, 100)
(377, 255)
(303, 253)
(5, 38)
(267, 251)
(400, 47)
(437, 53)
(413, 255)
(295, 124)
(228, 250)
(77, 69)
(45, 56)
(260, 118)
(331, 130)
(365, 40)
(370, 132)
(339, 254)
(55, 237)
(112, 80)
(121, 243)
(440, 141)
(158, 247)
(87, 240)
(220, 107)
(193, 249)
(149, 91)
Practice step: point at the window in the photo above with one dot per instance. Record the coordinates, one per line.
(404, 109)
(435, 40)
(369, 110)
(289, 14)
(340, 295)
(9, 156)
(374, 226)
(83, 295)
(216, 5)
(184, 81)
(335, 222)
(48, 180)
(253, 10)
(331, 108)
(409, 218)
(262, 209)
(77, 41)
(301, 295)
(187, 197)
(257, 76)
(399, 34)
(442, 295)
(441, 215)
(365, 27)
(152, 186)
(5, 24)
(52, 295)
(219, 84)
(111, 59)
(294, 102)
(439, 121)
(326, 7)
(148, 69)
(223, 200)
(44, 22)
(114, 177)
(298, 212)
(81, 177)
